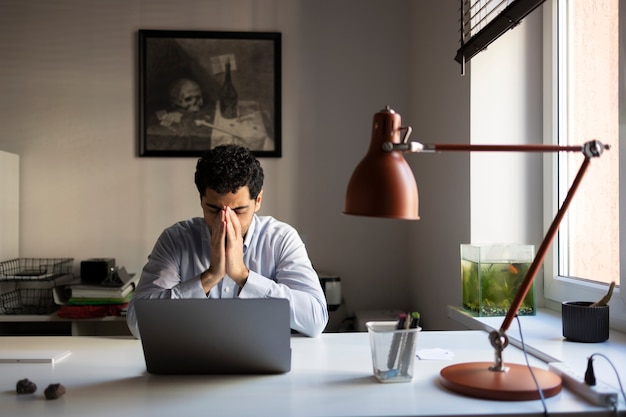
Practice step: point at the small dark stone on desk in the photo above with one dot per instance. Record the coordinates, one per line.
(25, 386)
(54, 391)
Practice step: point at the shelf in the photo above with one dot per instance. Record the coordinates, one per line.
(53, 325)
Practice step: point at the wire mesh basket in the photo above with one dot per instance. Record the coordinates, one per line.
(26, 284)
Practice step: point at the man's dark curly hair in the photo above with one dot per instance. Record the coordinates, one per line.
(227, 168)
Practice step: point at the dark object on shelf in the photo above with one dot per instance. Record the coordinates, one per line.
(96, 270)
(583, 323)
(54, 391)
(26, 284)
(25, 386)
(331, 285)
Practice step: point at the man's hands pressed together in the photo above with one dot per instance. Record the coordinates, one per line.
(226, 251)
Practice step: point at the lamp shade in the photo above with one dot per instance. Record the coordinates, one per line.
(383, 185)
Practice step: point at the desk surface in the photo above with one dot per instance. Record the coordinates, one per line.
(331, 376)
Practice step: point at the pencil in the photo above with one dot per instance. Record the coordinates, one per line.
(395, 343)
(408, 347)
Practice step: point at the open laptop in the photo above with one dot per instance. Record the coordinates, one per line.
(215, 336)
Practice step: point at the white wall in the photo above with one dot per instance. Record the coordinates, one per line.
(439, 114)
(352, 63)
(507, 108)
(69, 109)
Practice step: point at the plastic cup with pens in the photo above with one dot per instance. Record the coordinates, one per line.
(393, 347)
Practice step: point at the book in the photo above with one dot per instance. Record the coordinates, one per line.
(98, 291)
(99, 300)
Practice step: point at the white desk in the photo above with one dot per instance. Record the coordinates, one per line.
(331, 376)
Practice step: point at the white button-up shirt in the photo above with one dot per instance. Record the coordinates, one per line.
(273, 252)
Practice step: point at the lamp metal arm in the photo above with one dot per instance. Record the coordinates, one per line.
(592, 149)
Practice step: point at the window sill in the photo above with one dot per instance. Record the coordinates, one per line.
(542, 336)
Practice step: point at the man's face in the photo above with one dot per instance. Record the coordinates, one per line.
(239, 202)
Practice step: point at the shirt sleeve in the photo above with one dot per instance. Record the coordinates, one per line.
(161, 276)
(296, 280)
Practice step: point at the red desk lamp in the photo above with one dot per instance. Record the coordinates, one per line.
(383, 185)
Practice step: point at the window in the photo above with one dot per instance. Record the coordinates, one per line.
(584, 77)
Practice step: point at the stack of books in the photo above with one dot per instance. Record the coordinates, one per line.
(117, 289)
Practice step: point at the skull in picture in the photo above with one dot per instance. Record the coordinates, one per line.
(186, 94)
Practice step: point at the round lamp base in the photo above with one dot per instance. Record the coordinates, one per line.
(474, 379)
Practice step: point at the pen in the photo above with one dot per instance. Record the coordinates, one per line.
(395, 343)
(401, 321)
(407, 348)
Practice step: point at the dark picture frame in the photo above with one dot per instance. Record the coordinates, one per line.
(200, 89)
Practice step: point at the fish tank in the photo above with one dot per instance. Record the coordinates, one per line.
(491, 276)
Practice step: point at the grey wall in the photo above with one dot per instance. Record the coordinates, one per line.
(440, 113)
(68, 83)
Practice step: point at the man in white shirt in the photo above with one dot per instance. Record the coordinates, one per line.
(230, 251)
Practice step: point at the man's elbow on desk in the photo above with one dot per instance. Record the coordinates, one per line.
(313, 323)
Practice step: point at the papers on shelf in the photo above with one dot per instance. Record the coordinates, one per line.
(97, 291)
(435, 354)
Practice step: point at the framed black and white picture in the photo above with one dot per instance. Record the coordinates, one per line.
(198, 90)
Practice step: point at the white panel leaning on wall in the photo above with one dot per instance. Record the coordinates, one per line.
(9, 205)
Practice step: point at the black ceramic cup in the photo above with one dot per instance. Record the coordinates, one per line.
(583, 323)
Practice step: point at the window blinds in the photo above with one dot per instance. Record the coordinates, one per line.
(484, 21)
